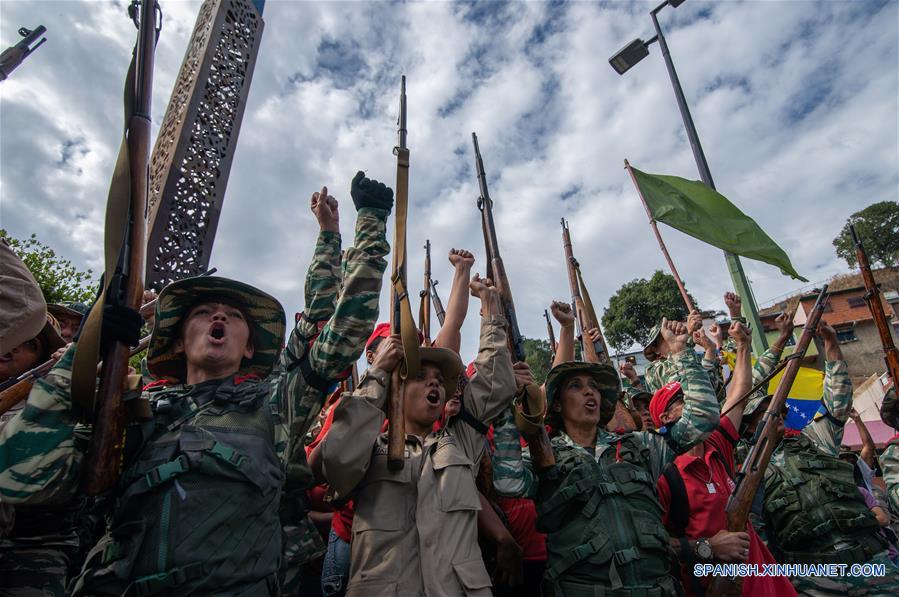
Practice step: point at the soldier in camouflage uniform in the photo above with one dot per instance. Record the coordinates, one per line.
(598, 502)
(339, 327)
(889, 460)
(661, 370)
(197, 507)
(69, 315)
(813, 509)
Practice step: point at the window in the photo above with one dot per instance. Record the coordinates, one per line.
(856, 301)
(845, 335)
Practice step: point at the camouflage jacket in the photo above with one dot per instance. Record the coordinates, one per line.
(889, 461)
(341, 298)
(662, 371)
(514, 475)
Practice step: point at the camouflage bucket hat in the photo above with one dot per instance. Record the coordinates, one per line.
(265, 314)
(654, 334)
(50, 337)
(605, 376)
(449, 363)
(889, 409)
(68, 308)
(754, 402)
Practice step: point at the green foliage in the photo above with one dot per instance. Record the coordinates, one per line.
(640, 304)
(878, 228)
(539, 357)
(58, 278)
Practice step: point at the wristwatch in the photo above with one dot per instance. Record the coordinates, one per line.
(703, 549)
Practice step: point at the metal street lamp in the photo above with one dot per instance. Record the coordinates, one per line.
(622, 61)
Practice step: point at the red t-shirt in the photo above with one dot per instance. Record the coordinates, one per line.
(521, 514)
(707, 516)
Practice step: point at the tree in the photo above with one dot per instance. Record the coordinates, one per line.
(58, 278)
(539, 357)
(640, 304)
(878, 227)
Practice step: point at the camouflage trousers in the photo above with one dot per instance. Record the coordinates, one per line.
(851, 586)
(33, 571)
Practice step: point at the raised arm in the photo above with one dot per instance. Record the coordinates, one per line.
(700, 415)
(869, 450)
(565, 316)
(827, 430)
(768, 360)
(450, 335)
(741, 381)
(346, 451)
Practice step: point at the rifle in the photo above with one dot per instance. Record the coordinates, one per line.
(872, 297)
(125, 249)
(438, 304)
(551, 333)
(14, 55)
(424, 311)
(541, 450)
(762, 445)
(585, 317)
(15, 390)
(401, 320)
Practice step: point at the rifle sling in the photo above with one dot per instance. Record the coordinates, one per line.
(118, 206)
(408, 328)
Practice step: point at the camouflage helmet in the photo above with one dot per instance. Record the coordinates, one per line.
(265, 319)
(889, 409)
(69, 309)
(654, 334)
(605, 376)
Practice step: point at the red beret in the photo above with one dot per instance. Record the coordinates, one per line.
(661, 399)
(382, 330)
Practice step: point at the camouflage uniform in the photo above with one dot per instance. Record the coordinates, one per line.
(663, 371)
(889, 462)
(643, 457)
(348, 321)
(824, 435)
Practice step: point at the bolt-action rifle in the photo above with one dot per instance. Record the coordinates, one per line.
(125, 248)
(872, 297)
(496, 271)
(14, 55)
(762, 445)
(585, 317)
(550, 333)
(424, 310)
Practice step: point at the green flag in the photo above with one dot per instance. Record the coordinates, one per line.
(696, 209)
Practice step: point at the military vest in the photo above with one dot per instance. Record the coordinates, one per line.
(603, 519)
(197, 510)
(813, 510)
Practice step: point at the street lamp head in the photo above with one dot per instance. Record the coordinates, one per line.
(675, 3)
(629, 55)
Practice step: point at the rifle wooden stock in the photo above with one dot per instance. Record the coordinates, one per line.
(438, 304)
(766, 440)
(550, 333)
(872, 297)
(107, 442)
(586, 320)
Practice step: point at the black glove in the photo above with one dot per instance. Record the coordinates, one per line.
(370, 193)
(120, 324)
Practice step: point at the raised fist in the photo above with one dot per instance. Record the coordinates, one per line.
(324, 207)
(694, 321)
(461, 258)
(675, 335)
(734, 304)
(563, 313)
(739, 332)
(367, 192)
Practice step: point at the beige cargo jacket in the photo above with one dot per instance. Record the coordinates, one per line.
(415, 531)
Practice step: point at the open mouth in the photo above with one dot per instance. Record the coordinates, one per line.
(591, 403)
(217, 332)
(433, 397)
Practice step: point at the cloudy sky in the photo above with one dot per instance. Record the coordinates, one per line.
(795, 103)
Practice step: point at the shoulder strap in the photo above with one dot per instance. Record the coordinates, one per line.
(679, 510)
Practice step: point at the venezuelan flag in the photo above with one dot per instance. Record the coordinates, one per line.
(804, 398)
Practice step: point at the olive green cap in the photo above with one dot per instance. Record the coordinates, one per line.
(654, 334)
(265, 318)
(605, 376)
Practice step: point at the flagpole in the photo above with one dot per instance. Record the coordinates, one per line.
(655, 229)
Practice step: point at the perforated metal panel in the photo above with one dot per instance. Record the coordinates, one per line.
(192, 157)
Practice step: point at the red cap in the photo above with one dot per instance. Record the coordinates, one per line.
(382, 330)
(661, 399)
(470, 371)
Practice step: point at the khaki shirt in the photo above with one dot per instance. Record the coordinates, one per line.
(415, 531)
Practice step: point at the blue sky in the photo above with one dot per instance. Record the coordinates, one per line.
(795, 102)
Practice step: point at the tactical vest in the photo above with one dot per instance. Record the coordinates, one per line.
(197, 511)
(603, 520)
(813, 510)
